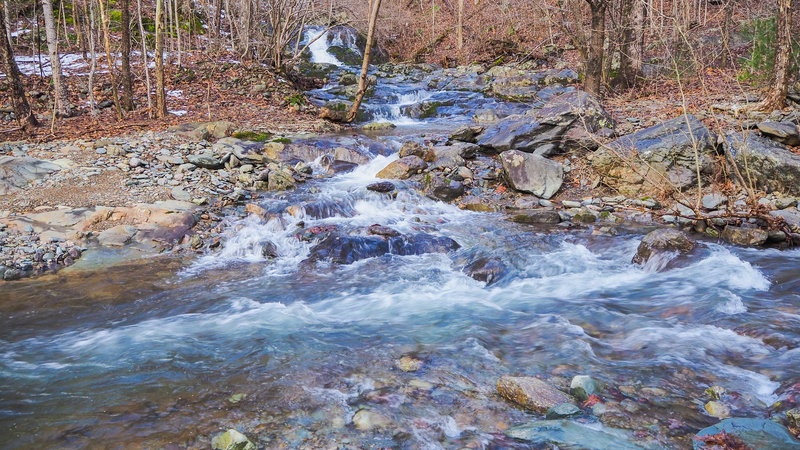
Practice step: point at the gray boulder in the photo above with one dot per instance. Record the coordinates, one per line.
(444, 189)
(762, 434)
(522, 133)
(660, 247)
(661, 157)
(577, 108)
(532, 173)
(749, 237)
(784, 132)
(531, 393)
(770, 164)
(572, 434)
(17, 172)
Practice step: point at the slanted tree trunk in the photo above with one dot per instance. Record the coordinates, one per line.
(594, 53)
(60, 90)
(460, 24)
(109, 60)
(125, 37)
(776, 96)
(21, 107)
(161, 100)
(362, 81)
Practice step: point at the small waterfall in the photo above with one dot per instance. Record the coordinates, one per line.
(393, 112)
(319, 48)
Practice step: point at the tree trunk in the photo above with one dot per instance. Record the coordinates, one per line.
(362, 81)
(7, 18)
(776, 96)
(594, 61)
(460, 24)
(21, 107)
(161, 101)
(127, 78)
(60, 90)
(636, 49)
(144, 57)
(109, 60)
(93, 66)
(626, 78)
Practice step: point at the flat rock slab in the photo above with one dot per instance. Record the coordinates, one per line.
(18, 172)
(532, 173)
(784, 132)
(768, 163)
(762, 434)
(570, 434)
(531, 393)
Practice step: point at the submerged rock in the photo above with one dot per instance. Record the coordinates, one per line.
(349, 249)
(761, 434)
(367, 419)
(570, 434)
(231, 440)
(531, 393)
(382, 187)
(661, 246)
(563, 411)
(486, 269)
(531, 173)
(582, 386)
(537, 216)
(408, 364)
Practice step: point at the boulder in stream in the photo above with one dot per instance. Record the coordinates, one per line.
(531, 393)
(660, 247)
(403, 168)
(571, 434)
(762, 434)
(347, 249)
(231, 440)
(532, 173)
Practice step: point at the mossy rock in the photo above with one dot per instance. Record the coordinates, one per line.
(253, 136)
(345, 55)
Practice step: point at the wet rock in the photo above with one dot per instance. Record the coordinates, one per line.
(750, 237)
(467, 134)
(759, 434)
(408, 364)
(11, 274)
(793, 417)
(382, 187)
(377, 126)
(784, 132)
(380, 230)
(489, 270)
(563, 411)
(644, 160)
(715, 392)
(411, 148)
(403, 168)
(770, 165)
(269, 250)
(531, 173)
(205, 161)
(717, 409)
(280, 180)
(231, 440)
(348, 249)
(570, 434)
(582, 386)
(444, 189)
(537, 216)
(531, 393)
(366, 419)
(660, 247)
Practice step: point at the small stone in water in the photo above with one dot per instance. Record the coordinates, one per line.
(562, 411)
(715, 392)
(365, 420)
(582, 386)
(718, 410)
(408, 364)
(231, 440)
(236, 398)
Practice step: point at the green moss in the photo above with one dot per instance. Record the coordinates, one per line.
(253, 136)
(296, 100)
(282, 140)
(345, 55)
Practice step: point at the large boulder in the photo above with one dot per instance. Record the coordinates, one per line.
(662, 246)
(532, 173)
(576, 108)
(442, 188)
(663, 157)
(769, 164)
(522, 133)
(748, 237)
(531, 393)
(17, 172)
(784, 132)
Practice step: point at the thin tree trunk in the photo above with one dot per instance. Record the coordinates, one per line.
(178, 33)
(77, 22)
(460, 24)
(637, 42)
(776, 96)
(144, 58)
(60, 90)
(161, 101)
(107, 41)
(7, 18)
(93, 66)
(22, 110)
(594, 60)
(626, 77)
(125, 37)
(362, 81)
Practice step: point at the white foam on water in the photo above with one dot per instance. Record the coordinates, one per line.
(733, 305)
(319, 48)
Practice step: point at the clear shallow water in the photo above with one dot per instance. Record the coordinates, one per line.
(149, 354)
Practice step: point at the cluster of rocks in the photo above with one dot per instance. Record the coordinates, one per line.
(24, 253)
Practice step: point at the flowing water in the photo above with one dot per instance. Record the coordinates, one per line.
(168, 352)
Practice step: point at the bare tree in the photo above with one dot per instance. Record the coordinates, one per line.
(362, 81)
(776, 96)
(161, 100)
(62, 105)
(21, 107)
(595, 48)
(125, 51)
(109, 59)
(144, 57)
